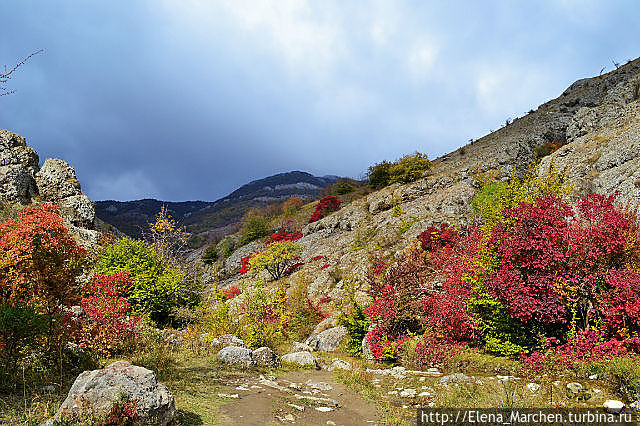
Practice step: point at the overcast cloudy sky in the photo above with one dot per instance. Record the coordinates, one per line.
(189, 99)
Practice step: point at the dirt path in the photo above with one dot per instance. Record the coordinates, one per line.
(300, 397)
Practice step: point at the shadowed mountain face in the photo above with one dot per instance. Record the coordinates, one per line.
(213, 217)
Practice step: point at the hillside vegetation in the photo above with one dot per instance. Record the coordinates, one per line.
(504, 274)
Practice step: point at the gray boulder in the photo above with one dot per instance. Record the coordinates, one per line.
(339, 364)
(236, 355)
(94, 393)
(265, 357)
(228, 340)
(329, 339)
(302, 359)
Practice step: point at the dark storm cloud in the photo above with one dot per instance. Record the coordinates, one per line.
(187, 99)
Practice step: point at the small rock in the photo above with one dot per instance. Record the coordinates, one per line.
(228, 395)
(613, 406)
(331, 422)
(295, 386)
(533, 387)
(296, 407)
(423, 394)
(593, 377)
(455, 378)
(48, 388)
(242, 388)
(596, 391)
(408, 393)
(324, 409)
(290, 417)
(319, 385)
(339, 364)
(228, 340)
(393, 392)
(574, 388)
(301, 347)
(303, 359)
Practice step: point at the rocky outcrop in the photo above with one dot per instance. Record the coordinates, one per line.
(93, 394)
(23, 182)
(18, 166)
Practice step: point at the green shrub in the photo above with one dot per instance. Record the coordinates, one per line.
(20, 327)
(255, 226)
(343, 186)
(277, 258)
(157, 287)
(210, 255)
(409, 168)
(404, 170)
(378, 175)
(357, 323)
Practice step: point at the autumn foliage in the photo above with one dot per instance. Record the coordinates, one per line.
(325, 206)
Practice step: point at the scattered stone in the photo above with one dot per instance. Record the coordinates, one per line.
(393, 392)
(423, 394)
(408, 393)
(506, 378)
(256, 387)
(94, 392)
(296, 407)
(596, 391)
(331, 422)
(318, 400)
(48, 388)
(302, 358)
(339, 364)
(574, 388)
(324, 409)
(295, 386)
(533, 387)
(228, 395)
(290, 418)
(236, 355)
(593, 377)
(455, 378)
(613, 406)
(265, 357)
(242, 388)
(328, 340)
(319, 385)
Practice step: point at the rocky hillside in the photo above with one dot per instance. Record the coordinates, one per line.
(204, 217)
(23, 182)
(596, 120)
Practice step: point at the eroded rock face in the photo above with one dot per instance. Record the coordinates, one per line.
(18, 166)
(94, 392)
(58, 184)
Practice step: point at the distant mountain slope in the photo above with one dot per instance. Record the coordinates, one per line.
(200, 217)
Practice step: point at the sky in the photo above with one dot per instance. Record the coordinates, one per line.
(190, 99)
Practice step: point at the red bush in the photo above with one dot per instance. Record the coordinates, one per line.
(433, 238)
(325, 206)
(245, 265)
(231, 292)
(39, 259)
(110, 322)
(285, 236)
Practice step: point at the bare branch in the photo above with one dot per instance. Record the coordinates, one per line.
(7, 73)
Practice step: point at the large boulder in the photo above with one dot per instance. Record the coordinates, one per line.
(94, 393)
(265, 357)
(301, 359)
(236, 355)
(328, 340)
(228, 340)
(18, 166)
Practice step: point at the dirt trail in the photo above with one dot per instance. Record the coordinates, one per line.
(265, 401)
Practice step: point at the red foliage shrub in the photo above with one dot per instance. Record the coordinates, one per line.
(433, 238)
(231, 292)
(325, 206)
(317, 258)
(122, 413)
(245, 265)
(283, 235)
(325, 266)
(39, 259)
(294, 267)
(109, 322)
